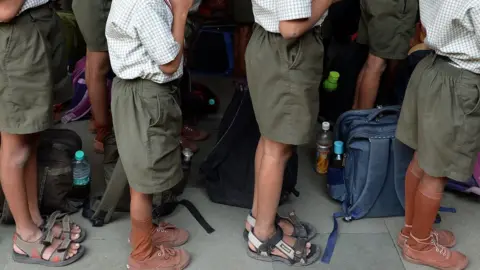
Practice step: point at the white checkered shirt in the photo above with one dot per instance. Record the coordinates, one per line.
(269, 13)
(140, 40)
(32, 4)
(453, 30)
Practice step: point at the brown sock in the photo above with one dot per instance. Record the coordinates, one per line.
(141, 239)
(412, 179)
(427, 202)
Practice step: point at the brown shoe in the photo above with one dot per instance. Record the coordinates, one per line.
(428, 252)
(443, 237)
(163, 259)
(168, 235)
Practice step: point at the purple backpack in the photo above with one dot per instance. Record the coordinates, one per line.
(473, 184)
(80, 104)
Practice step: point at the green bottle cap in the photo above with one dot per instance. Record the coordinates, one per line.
(333, 76)
(79, 155)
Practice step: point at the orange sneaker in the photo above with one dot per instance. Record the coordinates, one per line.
(443, 237)
(163, 259)
(428, 252)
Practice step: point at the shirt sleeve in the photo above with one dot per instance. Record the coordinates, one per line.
(474, 16)
(293, 9)
(155, 32)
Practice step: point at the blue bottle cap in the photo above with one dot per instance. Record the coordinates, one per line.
(211, 101)
(338, 147)
(79, 155)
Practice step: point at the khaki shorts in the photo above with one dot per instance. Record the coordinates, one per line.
(284, 78)
(387, 26)
(440, 118)
(147, 121)
(92, 18)
(33, 67)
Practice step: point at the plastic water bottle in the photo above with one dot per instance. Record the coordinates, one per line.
(337, 160)
(81, 177)
(324, 146)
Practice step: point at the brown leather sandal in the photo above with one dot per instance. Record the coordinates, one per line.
(34, 252)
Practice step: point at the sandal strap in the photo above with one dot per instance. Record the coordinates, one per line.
(61, 252)
(54, 218)
(297, 253)
(37, 249)
(298, 229)
(251, 220)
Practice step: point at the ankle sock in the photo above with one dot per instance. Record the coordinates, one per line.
(141, 239)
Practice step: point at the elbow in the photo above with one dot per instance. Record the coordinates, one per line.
(7, 14)
(288, 30)
(169, 68)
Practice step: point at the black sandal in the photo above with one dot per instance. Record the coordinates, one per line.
(297, 255)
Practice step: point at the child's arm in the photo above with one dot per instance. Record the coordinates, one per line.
(293, 28)
(162, 41)
(9, 9)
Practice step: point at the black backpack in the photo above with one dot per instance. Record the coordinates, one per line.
(229, 168)
(55, 178)
(116, 197)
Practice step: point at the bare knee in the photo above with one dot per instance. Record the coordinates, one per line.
(15, 156)
(415, 167)
(276, 150)
(375, 64)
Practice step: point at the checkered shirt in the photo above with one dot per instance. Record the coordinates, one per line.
(140, 40)
(32, 4)
(269, 13)
(453, 30)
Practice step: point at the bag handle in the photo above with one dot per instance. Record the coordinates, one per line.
(379, 153)
(379, 112)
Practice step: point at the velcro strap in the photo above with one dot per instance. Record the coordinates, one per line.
(299, 229)
(66, 225)
(65, 245)
(251, 220)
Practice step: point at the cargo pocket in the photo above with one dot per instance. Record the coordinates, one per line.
(468, 100)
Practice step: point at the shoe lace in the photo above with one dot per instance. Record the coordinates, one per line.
(439, 248)
(164, 226)
(165, 253)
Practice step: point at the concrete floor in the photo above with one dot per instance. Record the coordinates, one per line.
(362, 245)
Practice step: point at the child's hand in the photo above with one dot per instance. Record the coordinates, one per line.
(181, 6)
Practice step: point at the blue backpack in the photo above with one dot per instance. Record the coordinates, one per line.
(372, 182)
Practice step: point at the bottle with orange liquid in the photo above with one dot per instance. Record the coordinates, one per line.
(324, 147)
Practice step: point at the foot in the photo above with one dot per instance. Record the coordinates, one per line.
(54, 224)
(162, 259)
(98, 147)
(428, 252)
(290, 241)
(442, 237)
(194, 134)
(290, 225)
(30, 246)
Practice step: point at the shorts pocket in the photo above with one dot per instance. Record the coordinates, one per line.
(152, 108)
(291, 51)
(468, 100)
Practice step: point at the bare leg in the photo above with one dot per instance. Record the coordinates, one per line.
(373, 70)
(14, 153)
(258, 165)
(270, 180)
(31, 185)
(357, 88)
(98, 67)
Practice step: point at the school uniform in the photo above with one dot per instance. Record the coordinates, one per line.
(440, 116)
(145, 102)
(284, 75)
(91, 16)
(387, 26)
(32, 67)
